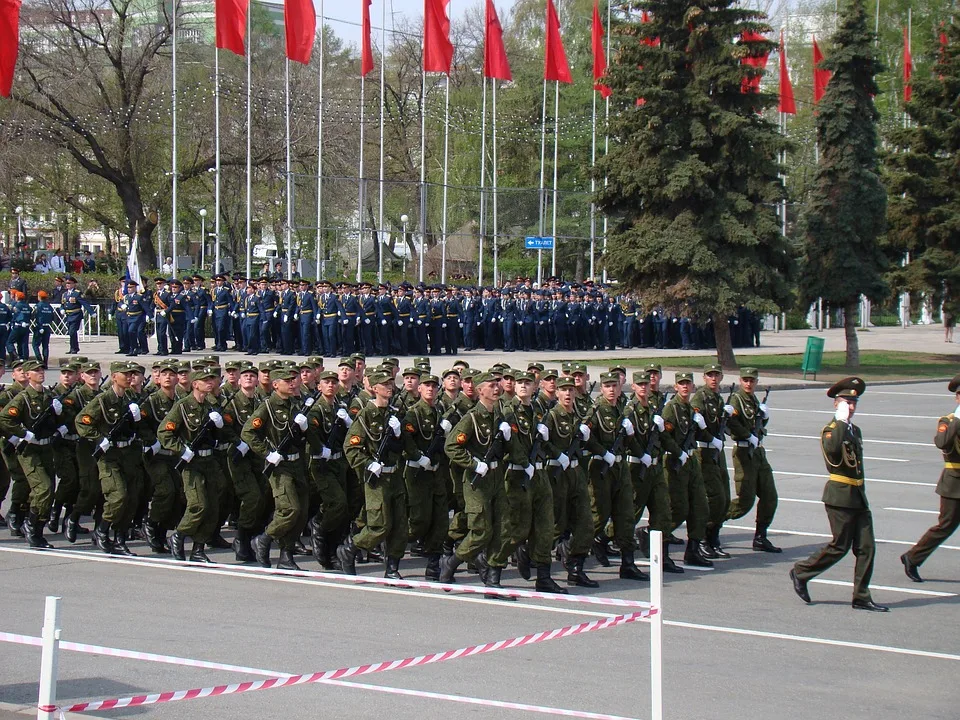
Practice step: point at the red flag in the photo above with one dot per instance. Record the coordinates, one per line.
(820, 77)
(907, 67)
(300, 24)
(495, 63)
(599, 57)
(554, 58)
(366, 54)
(9, 43)
(437, 48)
(230, 17)
(787, 104)
(751, 83)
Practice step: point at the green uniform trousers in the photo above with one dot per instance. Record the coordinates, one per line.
(428, 508)
(4, 481)
(611, 498)
(246, 489)
(90, 495)
(328, 483)
(166, 491)
(20, 493)
(386, 521)
(291, 498)
(68, 478)
(225, 495)
(851, 527)
(200, 487)
(716, 483)
(688, 499)
(650, 492)
(458, 521)
(486, 506)
(517, 520)
(121, 483)
(754, 480)
(37, 465)
(356, 498)
(947, 524)
(571, 508)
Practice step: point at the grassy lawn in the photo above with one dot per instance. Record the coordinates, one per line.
(874, 364)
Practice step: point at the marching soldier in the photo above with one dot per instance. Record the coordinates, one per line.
(713, 463)
(65, 457)
(89, 495)
(845, 500)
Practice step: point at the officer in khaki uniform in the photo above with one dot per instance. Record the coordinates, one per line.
(373, 449)
(948, 488)
(753, 475)
(845, 500)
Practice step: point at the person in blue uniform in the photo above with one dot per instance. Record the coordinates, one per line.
(179, 315)
(350, 316)
(42, 317)
(471, 319)
(403, 328)
(328, 307)
(74, 305)
(17, 340)
(438, 312)
(6, 317)
(222, 303)
(251, 311)
(190, 298)
(386, 320)
(135, 306)
(491, 316)
(236, 314)
(161, 310)
(558, 320)
(202, 308)
(289, 317)
(268, 306)
(120, 316)
(368, 316)
(421, 319)
(509, 314)
(306, 315)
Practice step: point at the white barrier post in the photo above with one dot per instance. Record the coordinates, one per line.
(656, 625)
(50, 645)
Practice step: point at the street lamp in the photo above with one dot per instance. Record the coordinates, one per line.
(203, 237)
(404, 219)
(19, 212)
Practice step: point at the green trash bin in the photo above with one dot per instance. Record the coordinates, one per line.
(812, 356)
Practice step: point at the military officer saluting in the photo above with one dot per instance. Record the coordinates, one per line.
(845, 500)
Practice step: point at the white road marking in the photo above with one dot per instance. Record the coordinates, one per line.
(885, 459)
(798, 500)
(891, 392)
(913, 510)
(888, 588)
(869, 480)
(800, 533)
(866, 440)
(862, 414)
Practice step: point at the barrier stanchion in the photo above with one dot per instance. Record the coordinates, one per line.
(656, 625)
(49, 661)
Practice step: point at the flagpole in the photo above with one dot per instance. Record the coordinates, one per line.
(483, 180)
(543, 158)
(320, 151)
(423, 171)
(606, 145)
(216, 193)
(175, 224)
(493, 125)
(249, 145)
(556, 140)
(289, 228)
(446, 168)
(593, 185)
(383, 55)
(360, 184)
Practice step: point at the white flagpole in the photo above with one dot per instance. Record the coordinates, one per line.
(556, 140)
(493, 124)
(216, 193)
(320, 151)
(383, 56)
(289, 229)
(175, 224)
(543, 158)
(593, 185)
(423, 170)
(446, 156)
(361, 186)
(606, 145)
(483, 182)
(249, 146)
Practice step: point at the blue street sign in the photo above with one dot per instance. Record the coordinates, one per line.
(538, 243)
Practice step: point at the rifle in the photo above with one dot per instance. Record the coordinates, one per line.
(722, 434)
(293, 434)
(41, 418)
(496, 447)
(368, 477)
(112, 434)
(621, 433)
(337, 434)
(653, 439)
(758, 421)
(198, 440)
(689, 442)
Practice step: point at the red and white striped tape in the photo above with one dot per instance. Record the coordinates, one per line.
(369, 669)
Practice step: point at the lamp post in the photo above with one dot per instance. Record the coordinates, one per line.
(404, 219)
(19, 212)
(203, 238)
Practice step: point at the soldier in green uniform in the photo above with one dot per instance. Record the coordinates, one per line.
(752, 473)
(410, 394)
(611, 491)
(947, 440)
(688, 499)
(708, 402)
(571, 497)
(20, 494)
(31, 423)
(373, 449)
(642, 426)
(845, 500)
(165, 486)
(547, 392)
(454, 405)
(475, 449)
(65, 457)
(187, 432)
(90, 495)
(582, 401)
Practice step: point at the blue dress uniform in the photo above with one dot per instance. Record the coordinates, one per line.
(438, 317)
(6, 317)
(471, 318)
(223, 305)
(349, 319)
(17, 341)
(190, 297)
(73, 306)
(268, 306)
(251, 311)
(386, 322)
(368, 310)
(628, 310)
(509, 320)
(135, 306)
(202, 308)
(161, 310)
(421, 321)
(307, 318)
(527, 320)
(120, 317)
(329, 309)
(42, 317)
(454, 315)
(491, 316)
(403, 327)
(574, 323)
(614, 321)
(179, 315)
(289, 320)
(543, 321)
(558, 320)
(239, 295)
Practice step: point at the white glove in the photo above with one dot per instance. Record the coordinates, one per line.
(134, 412)
(345, 416)
(763, 410)
(445, 424)
(375, 468)
(57, 406)
(399, 323)
(753, 441)
(296, 316)
(698, 419)
(301, 420)
(481, 468)
(716, 443)
(728, 409)
(155, 448)
(24, 325)
(216, 418)
(274, 458)
(187, 454)
(564, 460)
(683, 458)
(424, 462)
(529, 470)
(276, 313)
(394, 425)
(243, 448)
(15, 440)
(504, 427)
(163, 313)
(646, 460)
(62, 430)
(609, 458)
(443, 325)
(325, 454)
(658, 421)
(843, 412)
(366, 321)
(383, 322)
(104, 444)
(29, 436)
(345, 322)
(584, 432)
(628, 427)
(544, 432)
(286, 318)
(195, 321)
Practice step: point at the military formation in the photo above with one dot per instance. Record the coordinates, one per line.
(277, 315)
(23, 326)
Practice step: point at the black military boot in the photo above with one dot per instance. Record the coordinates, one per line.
(673, 539)
(545, 583)
(347, 555)
(600, 550)
(761, 543)
(198, 553)
(300, 549)
(70, 531)
(220, 543)
(714, 537)
(629, 571)
(26, 530)
(416, 548)
(120, 544)
(493, 581)
(175, 544)
(483, 568)
(448, 547)
(286, 561)
(15, 521)
(448, 567)
(643, 541)
(523, 561)
(35, 539)
(432, 572)
(669, 566)
(101, 537)
(706, 549)
(392, 571)
(54, 521)
(576, 574)
(692, 556)
(318, 545)
(261, 548)
(241, 546)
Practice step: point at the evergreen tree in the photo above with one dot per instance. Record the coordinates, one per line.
(692, 179)
(846, 212)
(923, 179)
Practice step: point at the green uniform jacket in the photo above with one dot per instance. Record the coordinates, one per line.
(744, 421)
(239, 407)
(604, 423)
(420, 425)
(642, 418)
(470, 438)
(154, 409)
(564, 429)
(842, 446)
(101, 415)
(523, 425)
(182, 424)
(948, 440)
(677, 419)
(364, 438)
(20, 413)
(269, 424)
(321, 420)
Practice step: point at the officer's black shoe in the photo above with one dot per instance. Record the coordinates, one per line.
(545, 583)
(706, 549)
(600, 551)
(261, 548)
(869, 605)
(175, 545)
(241, 546)
(800, 587)
(70, 532)
(523, 561)
(15, 521)
(493, 581)
(483, 568)
(762, 544)
(674, 540)
(392, 571)
(151, 535)
(577, 576)
(219, 543)
(286, 561)
(432, 572)
(643, 540)
(26, 527)
(629, 571)
(910, 569)
(713, 536)
(448, 547)
(669, 566)
(347, 555)
(120, 544)
(198, 554)
(300, 549)
(448, 567)
(416, 548)
(101, 537)
(54, 521)
(692, 556)
(36, 539)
